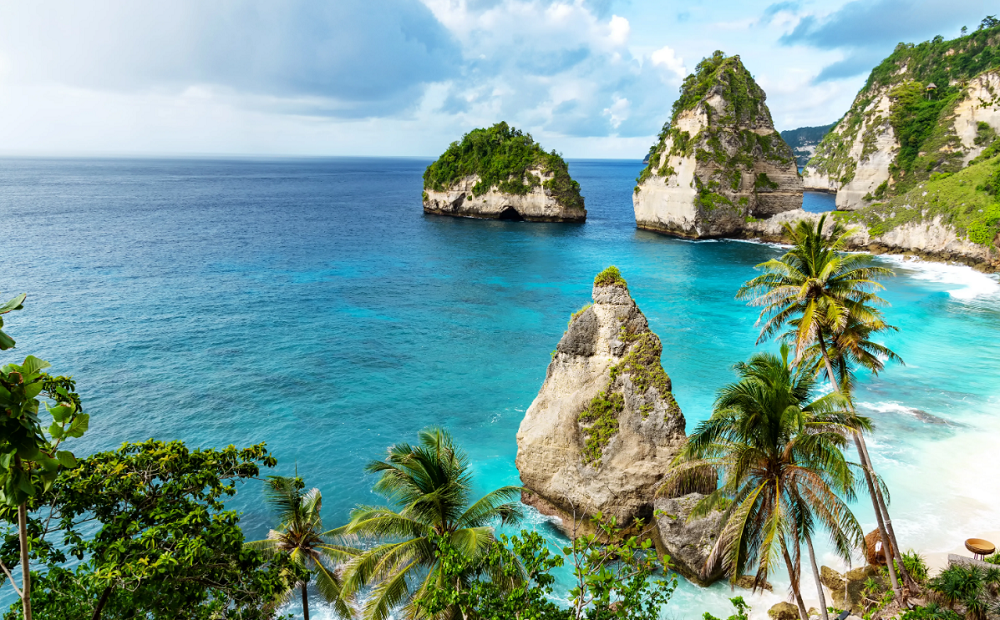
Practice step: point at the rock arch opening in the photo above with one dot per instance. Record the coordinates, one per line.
(510, 214)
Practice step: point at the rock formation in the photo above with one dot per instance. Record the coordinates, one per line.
(846, 589)
(719, 162)
(688, 543)
(500, 173)
(604, 428)
(884, 144)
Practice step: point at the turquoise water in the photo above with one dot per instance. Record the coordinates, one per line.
(310, 304)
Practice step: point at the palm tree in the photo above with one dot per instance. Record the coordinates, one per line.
(783, 471)
(829, 298)
(429, 485)
(300, 536)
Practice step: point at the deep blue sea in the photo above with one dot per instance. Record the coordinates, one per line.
(310, 304)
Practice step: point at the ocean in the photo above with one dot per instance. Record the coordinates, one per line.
(310, 304)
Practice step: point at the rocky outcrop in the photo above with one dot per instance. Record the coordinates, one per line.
(604, 428)
(537, 205)
(687, 542)
(718, 162)
(501, 173)
(847, 589)
(931, 239)
(783, 611)
(862, 159)
(853, 160)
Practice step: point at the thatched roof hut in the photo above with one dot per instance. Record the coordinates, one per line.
(874, 552)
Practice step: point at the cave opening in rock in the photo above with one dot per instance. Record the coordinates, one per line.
(510, 214)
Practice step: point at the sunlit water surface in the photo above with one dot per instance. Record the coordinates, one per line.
(312, 305)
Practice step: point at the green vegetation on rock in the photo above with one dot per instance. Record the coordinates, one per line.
(503, 158)
(966, 200)
(644, 370)
(920, 115)
(610, 277)
(732, 142)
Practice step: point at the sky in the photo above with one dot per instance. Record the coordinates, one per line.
(589, 78)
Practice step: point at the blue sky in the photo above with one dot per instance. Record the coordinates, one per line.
(590, 78)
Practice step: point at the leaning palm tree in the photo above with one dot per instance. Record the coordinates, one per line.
(300, 536)
(783, 472)
(429, 486)
(826, 295)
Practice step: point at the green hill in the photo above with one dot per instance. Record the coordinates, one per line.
(925, 83)
(503, 157)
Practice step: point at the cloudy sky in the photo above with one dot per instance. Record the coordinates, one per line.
(591, 78)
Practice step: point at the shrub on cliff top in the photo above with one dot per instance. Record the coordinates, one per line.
(610, 277)
(501, 157)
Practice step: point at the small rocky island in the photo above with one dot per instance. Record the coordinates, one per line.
(500, 173)
(719, 162)
(604, 429)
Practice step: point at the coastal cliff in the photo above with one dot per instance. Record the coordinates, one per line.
(500, 173)
(719, 161)
(927, 109)
(604, 428)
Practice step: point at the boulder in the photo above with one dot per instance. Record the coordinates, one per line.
(831, 578)
(718, 163)
(747, 583)
(784, 611)
(689, 543)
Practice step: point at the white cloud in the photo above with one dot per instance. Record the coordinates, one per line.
(618, 111)
(666, 57)
(620, 29)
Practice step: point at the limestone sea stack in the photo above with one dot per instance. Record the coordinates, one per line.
(604, 428)
(500, 173)
(718, 163)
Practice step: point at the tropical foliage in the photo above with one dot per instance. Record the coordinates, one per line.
(301, 538)
(614, 577)
(829, 299)
(784, 475)
(151, 537)
(429, 488)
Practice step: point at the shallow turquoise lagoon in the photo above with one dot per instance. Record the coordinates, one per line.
(310, 304)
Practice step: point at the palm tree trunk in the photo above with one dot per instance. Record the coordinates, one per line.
(793, 576)
(908, 582)
(22, 532)
(866, 468)
(819, 584)
(305, 602)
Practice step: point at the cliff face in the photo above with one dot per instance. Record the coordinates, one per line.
(719, 162)
(932, 238)
(853, 160)
(536, 205)
(926, 109)
(501, 173)
(604, 428)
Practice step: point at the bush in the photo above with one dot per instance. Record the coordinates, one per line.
(915, 566)
(610, 277)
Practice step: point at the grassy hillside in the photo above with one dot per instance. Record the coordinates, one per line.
(969, 200)
(922, 121)
(502, 156)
